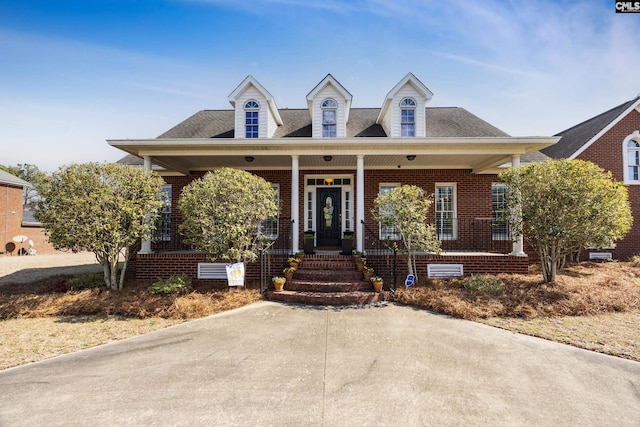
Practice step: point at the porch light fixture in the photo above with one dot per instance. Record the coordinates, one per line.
(328, 180)
(327, 158)
(249, 159)
(411, 157)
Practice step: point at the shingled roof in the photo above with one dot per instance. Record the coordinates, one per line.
(577, 136)
(441, 122)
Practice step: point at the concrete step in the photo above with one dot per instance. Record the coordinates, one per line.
(313, 286)
(328, 275)
(326, 298)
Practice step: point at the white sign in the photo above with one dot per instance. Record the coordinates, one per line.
(235, 274)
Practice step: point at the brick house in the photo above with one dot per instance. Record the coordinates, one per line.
(335, 156)
(16, 221)
(612, 141)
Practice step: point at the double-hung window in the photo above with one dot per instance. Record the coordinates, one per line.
(445, 201)
(251, 110)
(499, 226)
(633, 160)
(407, 117)
(329, 118)
(163, 221)
(387, 231)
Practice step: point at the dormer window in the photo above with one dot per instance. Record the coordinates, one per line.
(407, 117)
(329, 108)
(251, 109)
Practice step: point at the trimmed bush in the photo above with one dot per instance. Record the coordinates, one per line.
(482, 283)
(180, 284)
(86, 281)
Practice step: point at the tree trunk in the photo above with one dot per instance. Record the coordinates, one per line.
(124, 268)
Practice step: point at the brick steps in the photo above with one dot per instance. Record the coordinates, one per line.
(327, 279)
(325, 298)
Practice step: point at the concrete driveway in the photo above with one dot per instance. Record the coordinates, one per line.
(280, 365)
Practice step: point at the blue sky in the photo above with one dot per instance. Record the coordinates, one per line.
(74, 73)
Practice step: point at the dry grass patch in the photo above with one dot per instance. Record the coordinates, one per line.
(133, 301)
(30, 340)
(582, 289)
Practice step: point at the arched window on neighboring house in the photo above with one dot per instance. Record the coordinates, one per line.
(329, 119)
(407, 117)
(631, 155)
(251, 110)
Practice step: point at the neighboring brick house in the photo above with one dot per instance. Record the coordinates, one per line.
(612, 141)
(16, 221)
(331, 155)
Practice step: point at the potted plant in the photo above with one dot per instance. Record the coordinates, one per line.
(360, 263)
(347, 242)
(308, 238)
(288, 272)
(278, 283)
(300, 255)
(377, 283)
(356, 254)
(367, 272)
(294, 262)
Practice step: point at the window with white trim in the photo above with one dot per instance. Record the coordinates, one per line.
(329, 118)
(387, 231)
(633, 160)
(407, 117)
(445, 201)
(251, 109)
(499, 226)
(163, 222)
(270, 226)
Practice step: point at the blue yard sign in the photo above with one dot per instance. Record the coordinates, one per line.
(410, 280)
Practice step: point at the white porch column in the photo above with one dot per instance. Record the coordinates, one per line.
(145, 245)
(295, 202)
(518, 244)
(360, 201)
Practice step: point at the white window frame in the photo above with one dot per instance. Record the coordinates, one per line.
(329, 128)
(635, 136)
(453, 235)
(163, 232)
(251, 119)
(387, 231)
(407, 128)
(499, 227)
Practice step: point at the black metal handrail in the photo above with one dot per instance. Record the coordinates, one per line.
(274, 256)
(382, 256)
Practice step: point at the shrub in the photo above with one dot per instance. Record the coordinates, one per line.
(482, 283)
(180, 284)
(86, 281)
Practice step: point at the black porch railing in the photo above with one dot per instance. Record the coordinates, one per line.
(382, 256)
(455, 234)
(474, 235)
(273, 258)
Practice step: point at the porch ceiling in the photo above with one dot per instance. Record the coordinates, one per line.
(482, 155)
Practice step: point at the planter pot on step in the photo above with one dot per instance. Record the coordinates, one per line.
(377, 286)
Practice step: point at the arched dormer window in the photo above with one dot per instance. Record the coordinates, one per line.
(329, 119)
(251, 109)
(407, 117)
(631, 155)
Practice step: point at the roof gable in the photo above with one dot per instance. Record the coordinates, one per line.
(248, 82)
(409, 87)
(344, 94)
(578, 138)
(9, 179)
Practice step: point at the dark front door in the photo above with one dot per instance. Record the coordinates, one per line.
(328, 216)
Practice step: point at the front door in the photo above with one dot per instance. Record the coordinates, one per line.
(328, 214)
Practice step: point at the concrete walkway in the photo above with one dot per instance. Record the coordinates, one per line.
(278, 365)
(24, 269)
